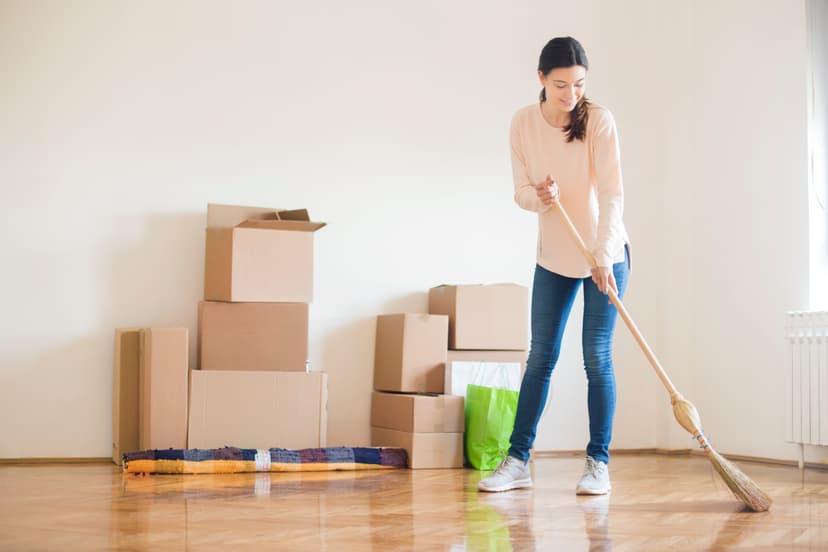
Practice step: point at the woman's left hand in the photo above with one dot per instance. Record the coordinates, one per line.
(604, 279)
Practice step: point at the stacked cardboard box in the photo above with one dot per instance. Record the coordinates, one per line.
(149, 406)
(488, 330)
(253, 388)
(408, 409)
(488, 334)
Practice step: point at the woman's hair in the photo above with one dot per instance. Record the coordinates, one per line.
(565, 51)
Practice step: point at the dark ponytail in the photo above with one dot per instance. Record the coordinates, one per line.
(566, 52)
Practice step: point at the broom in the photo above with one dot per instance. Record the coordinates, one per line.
(686, 414)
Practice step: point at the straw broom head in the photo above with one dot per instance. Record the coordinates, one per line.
(739, 484)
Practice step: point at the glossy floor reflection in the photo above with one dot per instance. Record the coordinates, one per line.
(658, 503)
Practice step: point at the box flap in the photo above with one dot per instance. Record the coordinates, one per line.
(295, 225)
(228, 216)
(297, 220)
(293, 214)
(495, 284)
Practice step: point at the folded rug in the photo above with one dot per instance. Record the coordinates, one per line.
(237, 460)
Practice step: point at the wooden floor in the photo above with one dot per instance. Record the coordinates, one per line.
(658, 503)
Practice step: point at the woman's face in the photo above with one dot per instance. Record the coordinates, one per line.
(564, 86)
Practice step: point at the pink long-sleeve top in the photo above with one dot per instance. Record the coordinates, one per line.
(588, 174)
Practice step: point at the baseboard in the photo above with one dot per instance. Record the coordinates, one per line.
(672, 452)
(680, 452)
(21, 461)
(580, 453)
(762, 460)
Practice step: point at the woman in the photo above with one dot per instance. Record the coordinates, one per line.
(565, 148)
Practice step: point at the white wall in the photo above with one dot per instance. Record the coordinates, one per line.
(120, 121)
(735, 218)
(817, 30)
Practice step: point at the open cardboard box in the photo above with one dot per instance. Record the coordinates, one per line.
(257, 254)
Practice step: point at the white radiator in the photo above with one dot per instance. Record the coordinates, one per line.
(807, 335)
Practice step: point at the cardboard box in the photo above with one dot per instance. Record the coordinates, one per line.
(253, 336)
(456, 380)
(255, 254)
(410, 353)
(258, 409)
(425, 450)
(163, 388)
(484, 317)
(125, 392)
(417, 413)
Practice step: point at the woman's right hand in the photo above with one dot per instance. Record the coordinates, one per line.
(547, 191)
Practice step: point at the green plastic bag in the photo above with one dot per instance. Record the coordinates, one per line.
(490, 417)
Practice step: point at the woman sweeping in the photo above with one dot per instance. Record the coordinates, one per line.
(565, 148)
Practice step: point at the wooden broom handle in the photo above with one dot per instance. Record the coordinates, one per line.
(662, 375)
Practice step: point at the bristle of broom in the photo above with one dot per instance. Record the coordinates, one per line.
(739, 484)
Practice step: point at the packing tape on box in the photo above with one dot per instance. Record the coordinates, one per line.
(262, 460)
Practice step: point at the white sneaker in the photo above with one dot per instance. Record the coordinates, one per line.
(510, 474)
(596, 480)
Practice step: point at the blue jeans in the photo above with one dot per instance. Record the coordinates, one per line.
(552, 299)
